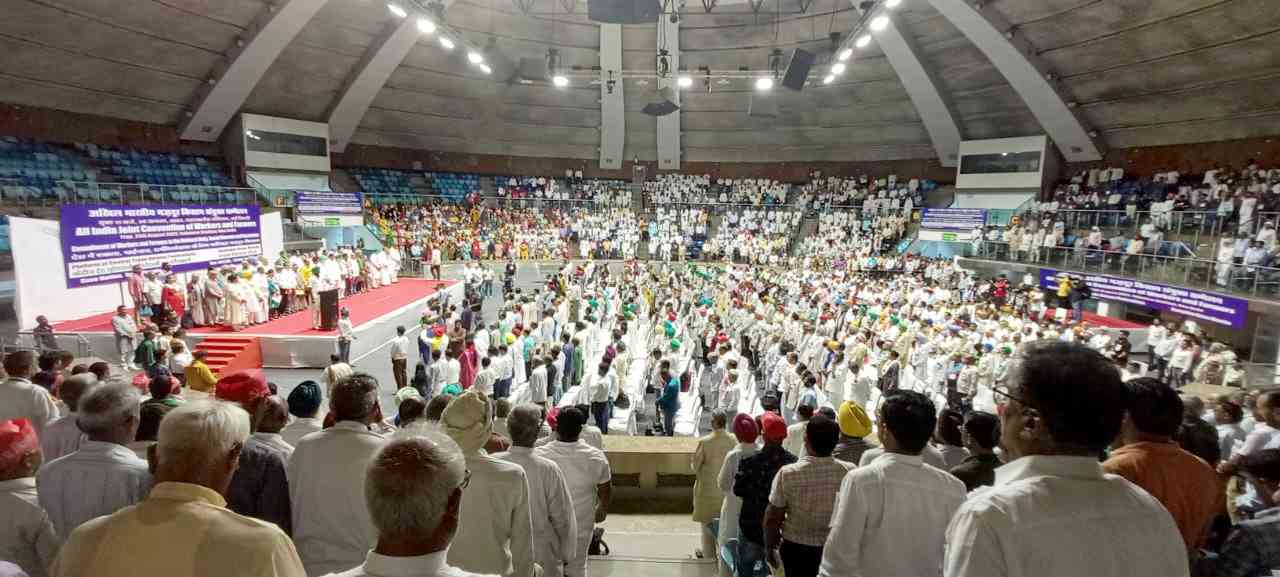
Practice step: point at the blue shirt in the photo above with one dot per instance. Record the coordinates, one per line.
(670, 399)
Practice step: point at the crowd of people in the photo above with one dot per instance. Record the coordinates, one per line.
(677, 188)
(851, 234)
(758, 236)
(862, 192)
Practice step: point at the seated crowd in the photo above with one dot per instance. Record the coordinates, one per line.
(863, 192)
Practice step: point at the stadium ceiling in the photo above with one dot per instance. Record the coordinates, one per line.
(1094, 74)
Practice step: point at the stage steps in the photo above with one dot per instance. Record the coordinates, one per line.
(229, 354)
(649, 567)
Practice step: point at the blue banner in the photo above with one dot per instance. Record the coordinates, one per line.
(318, 208)
(101, 243)
(965, 219)
(1216, 308)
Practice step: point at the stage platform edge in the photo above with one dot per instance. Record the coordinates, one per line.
(293, 351)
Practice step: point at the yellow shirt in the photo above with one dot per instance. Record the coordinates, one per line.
(180, 530)
(200, 378)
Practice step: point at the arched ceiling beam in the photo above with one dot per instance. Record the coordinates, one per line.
(1016, 59)
(921, 86)
(380, 60)
(219, 101)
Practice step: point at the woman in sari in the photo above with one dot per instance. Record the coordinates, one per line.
(174, 299)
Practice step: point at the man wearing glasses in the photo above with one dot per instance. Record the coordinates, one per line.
(1052, 511)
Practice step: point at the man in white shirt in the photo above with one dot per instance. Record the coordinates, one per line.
(413, 533)
(27, 538)
(1064, 406)
(598, 385)
(19, 398)
(331, 524)
(400, 358)
(555, 528)
(62, 436)
(304, 405)
(587, 472)
(104, 475)
(890, 515)
(495, 529)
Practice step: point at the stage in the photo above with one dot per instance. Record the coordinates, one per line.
(289, 341)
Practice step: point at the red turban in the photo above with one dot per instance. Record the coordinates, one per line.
(17, 440)
(775, 429)
(242, 387)
(552, 416)
(744, 428)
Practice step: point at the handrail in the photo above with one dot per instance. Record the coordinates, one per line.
(1192, 272)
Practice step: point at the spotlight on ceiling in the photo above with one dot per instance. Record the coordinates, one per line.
(862, 41)
(845, 54)
(685, 81)
(397, 10)
(892, 3)
(560, 80)
(426, 26)
(837, 68)
(829, 79)
(486, 69)
(475, 57)
(446, 42)
(879, 23)
(764, 83)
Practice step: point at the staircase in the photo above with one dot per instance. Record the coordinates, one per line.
(637, 198)
(228, 354)
(808, 228)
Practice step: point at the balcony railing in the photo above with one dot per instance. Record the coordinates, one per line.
(15, 192)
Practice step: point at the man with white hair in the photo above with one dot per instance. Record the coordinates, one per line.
(63, 436)
(104, 475)
(495, 532)
(413, 490)
(196, 456)
(555, 529)
(331, 524)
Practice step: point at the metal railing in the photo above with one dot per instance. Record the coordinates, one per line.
(1196, 228)
(16, 192)
(1225, 277)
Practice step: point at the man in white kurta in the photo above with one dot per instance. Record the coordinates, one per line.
(495, 530)
(331, 524)
(587, 472)
(555, 527)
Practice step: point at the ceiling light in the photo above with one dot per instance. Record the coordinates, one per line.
(837, 68)
(475, 57)
(684, 81)
(397, 10)
(446, 42)
(862, 41)
(892, 3)
(879, 23)
(560, 80)
(426, 26)
(845, 54)
(829, 79)
(764, 83)
(486, 69)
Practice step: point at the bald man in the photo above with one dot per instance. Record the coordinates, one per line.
(272, 416)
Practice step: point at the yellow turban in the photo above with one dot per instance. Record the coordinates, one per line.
(853, 420)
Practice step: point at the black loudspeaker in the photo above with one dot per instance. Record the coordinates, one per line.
(533, 69)
(762, 106)
(798, 69)
(624, 11)
(663, 103)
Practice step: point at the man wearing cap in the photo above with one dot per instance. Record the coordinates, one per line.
(855, 426)
(890, 515)
(753, 482)
(304, 406)
(495, 529)
(746, 432)
(27, 537)
(259, 488)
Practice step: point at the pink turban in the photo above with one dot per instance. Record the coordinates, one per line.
(17, 440)
(242, 387)
(744, 428)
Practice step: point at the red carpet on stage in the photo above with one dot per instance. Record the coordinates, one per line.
(364, 307)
